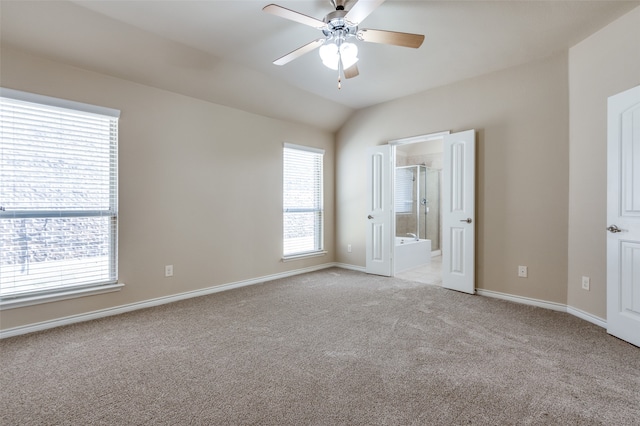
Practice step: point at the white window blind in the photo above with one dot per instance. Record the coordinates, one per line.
(404, 190)
(58, 194)
(303, 200)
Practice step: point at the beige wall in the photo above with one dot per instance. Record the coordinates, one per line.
(606, 63)
(200, 187)
(522, 124)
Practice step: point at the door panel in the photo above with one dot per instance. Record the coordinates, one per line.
(457, 251)
(623, 216)
(458, 212)
(629, 272)
(379, 210)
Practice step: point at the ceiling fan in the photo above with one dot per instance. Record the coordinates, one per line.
(340, 28)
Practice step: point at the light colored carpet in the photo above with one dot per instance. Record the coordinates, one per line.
(329, 347)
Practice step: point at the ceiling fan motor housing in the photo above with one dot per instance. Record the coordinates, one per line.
(338, 27)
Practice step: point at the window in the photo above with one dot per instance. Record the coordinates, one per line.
(303, 201)
(404, 190)
(58, 196)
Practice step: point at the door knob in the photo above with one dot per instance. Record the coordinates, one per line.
(613, 229)
(369, 217)
(468, 220)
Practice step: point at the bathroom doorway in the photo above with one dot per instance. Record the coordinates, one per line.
(457, 211)
(418, 212)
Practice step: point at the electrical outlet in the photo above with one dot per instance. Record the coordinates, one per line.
(168, 270)
(522, 271)
(348, 248)
(586, 283)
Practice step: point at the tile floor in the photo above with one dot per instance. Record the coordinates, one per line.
(427, 274)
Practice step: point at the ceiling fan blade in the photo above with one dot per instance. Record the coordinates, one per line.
(391, 37)
(351, 72)
(299, 52)
(361, 10)
(292, 15)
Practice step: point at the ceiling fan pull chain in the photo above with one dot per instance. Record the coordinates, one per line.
(339, 71)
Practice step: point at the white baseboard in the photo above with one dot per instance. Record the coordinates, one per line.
(544, 304)
(16, 331)
(350, 267)
(524, 300)
(587, 316)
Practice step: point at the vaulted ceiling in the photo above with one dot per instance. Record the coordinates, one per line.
(222, 51)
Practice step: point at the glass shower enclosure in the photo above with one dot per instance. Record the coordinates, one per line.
(417, 203)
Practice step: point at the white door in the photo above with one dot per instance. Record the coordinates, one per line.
(379, 210)
(623, 216)
(458, 211)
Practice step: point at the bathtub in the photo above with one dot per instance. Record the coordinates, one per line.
(411, 253)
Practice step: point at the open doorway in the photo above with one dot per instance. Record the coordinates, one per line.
(418, 210)
(457, 210)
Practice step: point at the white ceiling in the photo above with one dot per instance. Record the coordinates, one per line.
(222, 51)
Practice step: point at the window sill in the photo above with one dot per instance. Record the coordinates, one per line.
(303, 256)
(22, 301)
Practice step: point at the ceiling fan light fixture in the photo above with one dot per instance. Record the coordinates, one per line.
(329, 55)
(349, 54)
